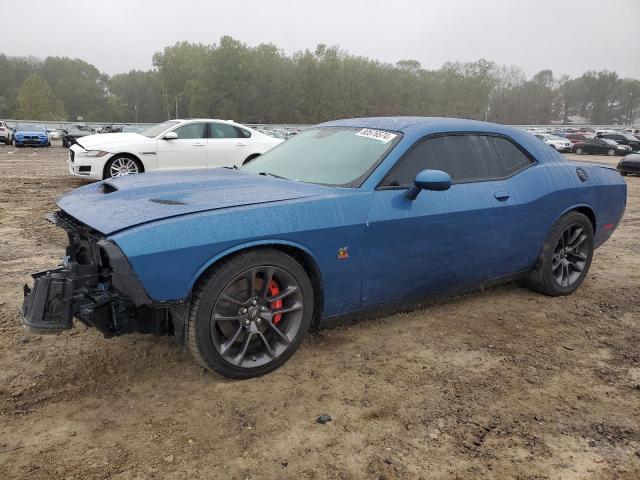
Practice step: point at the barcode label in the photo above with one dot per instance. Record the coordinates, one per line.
(381, 135)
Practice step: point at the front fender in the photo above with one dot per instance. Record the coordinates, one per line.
(268, 242)
(169, 255)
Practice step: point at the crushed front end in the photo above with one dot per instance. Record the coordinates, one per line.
(95, 284)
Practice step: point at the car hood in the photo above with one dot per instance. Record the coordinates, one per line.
(124, 202)
(104, 140)
(30, 132)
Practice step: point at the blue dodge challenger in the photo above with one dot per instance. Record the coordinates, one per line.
(346, 218)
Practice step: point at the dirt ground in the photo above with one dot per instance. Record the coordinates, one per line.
(504, 383)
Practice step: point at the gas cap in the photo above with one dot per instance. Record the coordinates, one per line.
(582, 175)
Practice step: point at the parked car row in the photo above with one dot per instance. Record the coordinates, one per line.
(27, 134)
(603, 142)
(281, 133)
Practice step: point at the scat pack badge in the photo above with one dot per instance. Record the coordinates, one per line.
(343, 253)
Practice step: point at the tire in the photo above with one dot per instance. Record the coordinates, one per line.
(579, 151)
(611, 152)
(233, 352)
(544, 277)
(129, 166)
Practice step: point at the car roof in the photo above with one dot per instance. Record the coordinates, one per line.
(200, 120)
(414, 128)
(425, 124)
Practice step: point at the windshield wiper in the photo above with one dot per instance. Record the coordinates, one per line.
(272, 175)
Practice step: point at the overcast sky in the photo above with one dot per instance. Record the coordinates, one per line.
(568, 36)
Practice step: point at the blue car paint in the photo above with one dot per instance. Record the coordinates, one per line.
(397, 248)
(41, 134)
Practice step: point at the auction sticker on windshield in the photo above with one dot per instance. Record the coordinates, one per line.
(381, 135)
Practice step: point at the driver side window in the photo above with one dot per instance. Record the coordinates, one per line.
(191, 131)
(467, 158)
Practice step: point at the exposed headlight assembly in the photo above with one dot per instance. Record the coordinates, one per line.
(94, 153)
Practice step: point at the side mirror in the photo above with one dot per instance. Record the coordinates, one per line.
(170, 136)
(435, 180)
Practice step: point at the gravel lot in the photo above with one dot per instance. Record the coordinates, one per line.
(499, 384)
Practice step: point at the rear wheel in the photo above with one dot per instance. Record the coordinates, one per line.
(250, 314)
(579, 151)
(565, 258)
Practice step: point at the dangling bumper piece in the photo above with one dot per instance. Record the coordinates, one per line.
(95, 284)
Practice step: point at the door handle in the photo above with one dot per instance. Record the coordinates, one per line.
(240, 144)
(198, 144)
(502, 196)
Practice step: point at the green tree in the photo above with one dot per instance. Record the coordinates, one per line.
(37, 101)
(80, 85)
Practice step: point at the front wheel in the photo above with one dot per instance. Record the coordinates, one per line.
(611, 152)
(565, 258)
(250, 313)
(120, 166)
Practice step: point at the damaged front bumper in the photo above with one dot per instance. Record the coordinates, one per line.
(94, 284)
(57, 296)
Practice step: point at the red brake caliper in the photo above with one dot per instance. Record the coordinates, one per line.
(274, 290)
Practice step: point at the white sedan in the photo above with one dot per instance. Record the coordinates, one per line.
(172, 145)
(559, 143)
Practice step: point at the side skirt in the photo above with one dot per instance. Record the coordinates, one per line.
(412, 303)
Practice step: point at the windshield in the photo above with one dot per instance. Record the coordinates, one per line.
(156, 130)
(555, 137)
(630, 137)
(336, 156)
(28, 127)
(609, 142)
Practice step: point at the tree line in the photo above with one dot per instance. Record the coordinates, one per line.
(263, 84)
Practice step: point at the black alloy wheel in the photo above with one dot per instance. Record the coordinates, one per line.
(566, 256)
(570, 255)
(250, 324)
(250, 314)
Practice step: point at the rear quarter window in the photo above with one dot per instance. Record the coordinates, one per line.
(510, 158)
